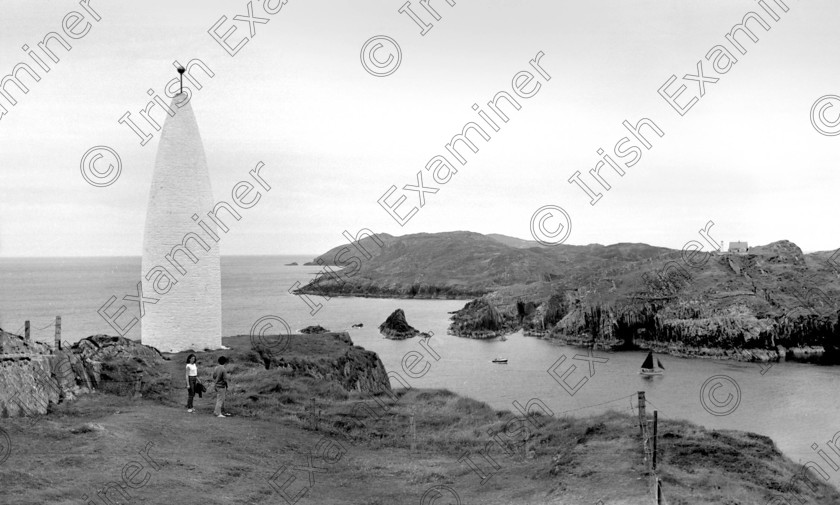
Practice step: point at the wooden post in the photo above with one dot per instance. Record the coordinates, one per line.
(26, 331)
(58, 333)
(413, 431)
(658, 492)
(642, 416)
(655, 427)
(138, 384)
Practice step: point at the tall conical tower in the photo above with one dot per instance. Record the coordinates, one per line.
(181, 263)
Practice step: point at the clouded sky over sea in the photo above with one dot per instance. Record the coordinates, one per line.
(335, 138)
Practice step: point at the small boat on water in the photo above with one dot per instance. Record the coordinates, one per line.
(648, 367)
(502, 361)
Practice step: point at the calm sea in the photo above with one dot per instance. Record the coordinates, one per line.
(794, 404)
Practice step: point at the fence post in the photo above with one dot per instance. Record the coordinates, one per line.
(138, 384)
(58, 333)
(26, 331)
(413, 431)
(655, 428)
(658, 492)
(642, 416)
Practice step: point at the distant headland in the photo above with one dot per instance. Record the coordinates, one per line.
(758, 303)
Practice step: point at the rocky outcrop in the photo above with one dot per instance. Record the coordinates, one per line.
(480, 319)
(34, 376)
(105, 347)
(396, 327)
(355, 369)
(16, 344)
(314, 330)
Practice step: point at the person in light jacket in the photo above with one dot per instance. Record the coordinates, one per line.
(192, 378)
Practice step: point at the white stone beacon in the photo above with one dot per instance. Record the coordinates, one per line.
(181, 264)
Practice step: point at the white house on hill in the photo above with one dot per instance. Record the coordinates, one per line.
(738, 247)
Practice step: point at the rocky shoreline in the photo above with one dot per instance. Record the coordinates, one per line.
(397, 295)
(352, 286)
(805, 354)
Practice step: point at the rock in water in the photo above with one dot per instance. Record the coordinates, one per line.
(310, 330)
(180, 259)
(396, 327)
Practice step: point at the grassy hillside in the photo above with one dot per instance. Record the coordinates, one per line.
(358, 446)
(464, 264)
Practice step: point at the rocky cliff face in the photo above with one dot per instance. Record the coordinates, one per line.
(771, 303)
(481, 319)
(33, 375)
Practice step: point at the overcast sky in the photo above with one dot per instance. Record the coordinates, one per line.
(334, 138)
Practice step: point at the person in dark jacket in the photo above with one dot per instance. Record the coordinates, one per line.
(220, 379)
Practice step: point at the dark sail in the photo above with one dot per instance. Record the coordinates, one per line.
(659, 364)
(648, 361)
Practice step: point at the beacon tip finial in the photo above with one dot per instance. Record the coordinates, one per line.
(181, 71)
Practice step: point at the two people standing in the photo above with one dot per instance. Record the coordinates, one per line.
(220, 380)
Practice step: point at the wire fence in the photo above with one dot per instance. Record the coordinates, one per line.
(44, 334)
(649, 448)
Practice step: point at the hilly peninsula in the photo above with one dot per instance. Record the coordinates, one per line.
(769, 303)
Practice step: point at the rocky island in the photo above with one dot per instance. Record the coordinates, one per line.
(396, 327)
(314, 330)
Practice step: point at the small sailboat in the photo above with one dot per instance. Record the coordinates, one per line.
(502, 361)
(648, 367)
